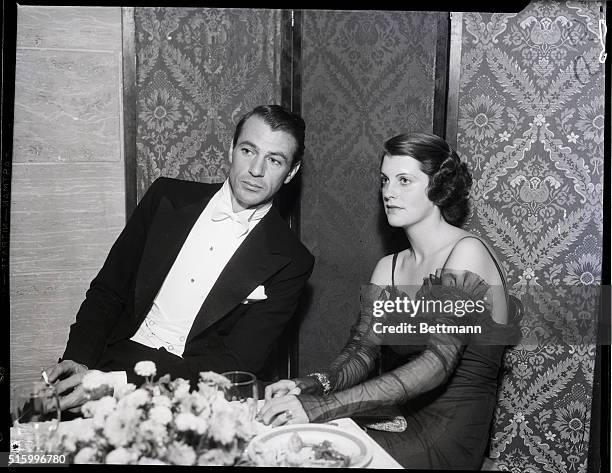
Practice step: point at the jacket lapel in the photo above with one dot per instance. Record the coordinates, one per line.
(167, 234)
(253, 263)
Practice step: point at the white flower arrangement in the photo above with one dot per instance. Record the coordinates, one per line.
(97, 383)
(145, 368)
(162, 422)
(93, 380)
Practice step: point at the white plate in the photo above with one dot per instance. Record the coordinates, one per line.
(346, 443)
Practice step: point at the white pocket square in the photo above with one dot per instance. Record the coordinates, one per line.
(259, 294)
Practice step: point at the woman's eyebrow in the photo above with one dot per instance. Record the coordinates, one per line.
(405, 173)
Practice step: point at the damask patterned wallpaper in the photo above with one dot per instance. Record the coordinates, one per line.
(531, 118)
(367, 77)
(531, 125)
(198, 71)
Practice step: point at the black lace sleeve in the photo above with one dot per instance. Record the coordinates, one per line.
(358, 357)
(428, 370)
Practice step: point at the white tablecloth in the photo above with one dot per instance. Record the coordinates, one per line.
(380, 458)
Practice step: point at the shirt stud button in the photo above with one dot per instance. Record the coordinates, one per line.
(182, 339)
(170, 347)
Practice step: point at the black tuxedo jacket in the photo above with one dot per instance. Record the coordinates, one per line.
(226, 334)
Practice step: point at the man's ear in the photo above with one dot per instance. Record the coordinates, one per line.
(292, 172)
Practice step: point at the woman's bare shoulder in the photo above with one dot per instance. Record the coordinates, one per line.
(382, 271)
(473, 254)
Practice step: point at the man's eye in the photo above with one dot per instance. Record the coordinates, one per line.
(247, 151)
(275, 162)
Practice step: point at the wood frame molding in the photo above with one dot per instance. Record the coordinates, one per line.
(599, 435)
(130, 108)
(441, 74)
(454, 76)
(288, 200)
(7, 107)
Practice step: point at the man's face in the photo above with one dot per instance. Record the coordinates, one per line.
(260, 163)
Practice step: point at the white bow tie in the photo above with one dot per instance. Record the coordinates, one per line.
(240, 220)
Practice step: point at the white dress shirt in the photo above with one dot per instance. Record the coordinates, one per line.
(212, 241)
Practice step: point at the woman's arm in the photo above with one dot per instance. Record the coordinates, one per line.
(429, 370)
(358, 357)
(355, 361)
(436, 364)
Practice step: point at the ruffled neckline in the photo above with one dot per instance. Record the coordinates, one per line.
(464, 280)
(470, 285)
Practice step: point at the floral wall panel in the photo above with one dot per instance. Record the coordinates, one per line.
(367, 77)
(198, 71)
(531, 125)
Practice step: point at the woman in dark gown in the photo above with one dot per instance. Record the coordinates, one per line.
(446, 387)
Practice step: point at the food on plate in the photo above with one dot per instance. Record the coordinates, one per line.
(298, 453)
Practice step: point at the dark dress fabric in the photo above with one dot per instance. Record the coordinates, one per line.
(448, 423)
(448, 427)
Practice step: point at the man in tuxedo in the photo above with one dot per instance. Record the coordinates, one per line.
(204, 276)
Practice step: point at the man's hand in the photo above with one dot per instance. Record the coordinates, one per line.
(65, 369)
(74, 401)
(283, 410)
(69, 390)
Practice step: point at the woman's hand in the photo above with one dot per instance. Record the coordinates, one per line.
(281, 388)
(295, 386)
(282, 410)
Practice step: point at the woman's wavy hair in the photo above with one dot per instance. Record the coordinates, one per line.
(449, 178)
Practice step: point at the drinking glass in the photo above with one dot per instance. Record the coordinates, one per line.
(35, 414)
(243, 387)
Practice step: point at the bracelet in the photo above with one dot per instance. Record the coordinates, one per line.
(324, 380)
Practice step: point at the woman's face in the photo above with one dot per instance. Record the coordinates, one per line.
(403, 189)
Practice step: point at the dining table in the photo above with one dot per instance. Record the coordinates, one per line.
(380, 459)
